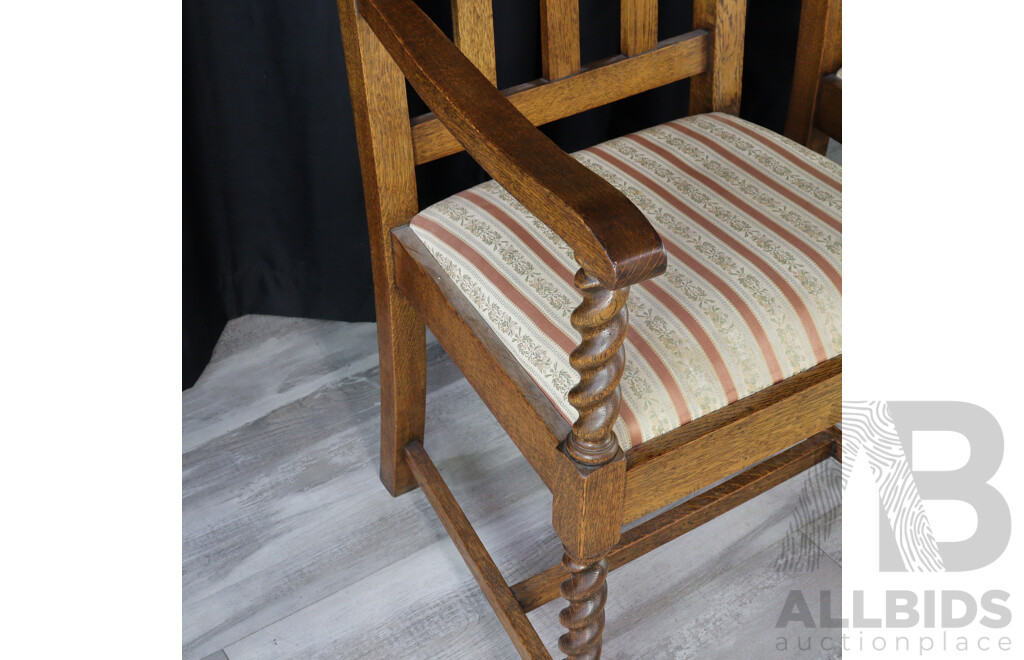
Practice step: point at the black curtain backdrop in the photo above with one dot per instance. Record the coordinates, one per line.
(273, 202)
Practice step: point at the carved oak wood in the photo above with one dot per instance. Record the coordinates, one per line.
(602, 321)
(596, 488)
(586, 589)
(599, 476)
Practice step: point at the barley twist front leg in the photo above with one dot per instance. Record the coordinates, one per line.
(588, 502)
(586, 591)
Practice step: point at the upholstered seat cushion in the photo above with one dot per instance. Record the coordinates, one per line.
(752, 226)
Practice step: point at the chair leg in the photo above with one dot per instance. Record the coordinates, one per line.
(586, 590)
(401, 338)
(588, 502)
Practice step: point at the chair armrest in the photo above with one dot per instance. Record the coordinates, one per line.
(612, 240)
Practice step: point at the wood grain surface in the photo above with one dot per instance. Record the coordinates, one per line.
(389, 187)
(559, 38)
(514, 398)
(638, 26)
(718, 89)
(543, 587)
(473, 28)
(724, 442)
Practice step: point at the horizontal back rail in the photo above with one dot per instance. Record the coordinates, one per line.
(597, 84)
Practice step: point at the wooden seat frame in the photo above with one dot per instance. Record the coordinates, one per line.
(597, 488)
(816, 100)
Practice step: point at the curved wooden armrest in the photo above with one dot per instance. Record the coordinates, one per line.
(611, 238)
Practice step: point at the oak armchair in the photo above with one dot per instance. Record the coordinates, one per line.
(504, 273)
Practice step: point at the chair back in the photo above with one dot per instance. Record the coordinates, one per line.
(392, 144)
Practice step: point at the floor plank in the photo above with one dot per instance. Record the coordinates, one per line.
(219, 655)
(292, 548)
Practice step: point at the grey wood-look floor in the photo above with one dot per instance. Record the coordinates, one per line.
(292, 548)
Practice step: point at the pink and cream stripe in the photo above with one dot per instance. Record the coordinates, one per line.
(753, 230)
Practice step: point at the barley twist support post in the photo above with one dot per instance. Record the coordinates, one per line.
(588, 510)
(602, 321)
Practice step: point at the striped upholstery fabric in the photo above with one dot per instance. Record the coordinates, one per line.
(752, 225)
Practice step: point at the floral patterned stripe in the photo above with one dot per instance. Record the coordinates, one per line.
(738, 308)
(823, 233)
(655, 344)
(666, 333)
(544, 360)
(767, 160)
(744, 206)
(812, 162)
(507, 254)
(756, 292)
(564, 271)
(682, 280)
(776, 185)
(825, 241)
(818, 303)
(731, 240)
(479, 217)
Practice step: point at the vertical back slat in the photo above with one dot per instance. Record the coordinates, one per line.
(473, 24)
(718, 89)
(638, 26)
(560, 37)
(381, 110)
